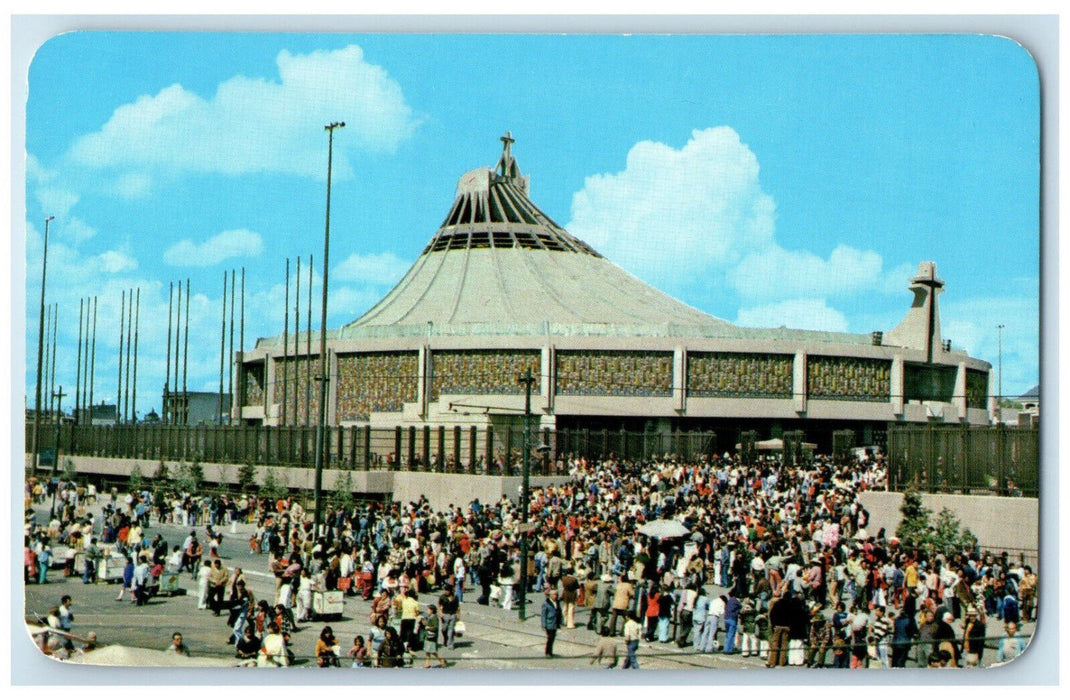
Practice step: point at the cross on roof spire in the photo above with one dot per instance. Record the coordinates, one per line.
(506, 164)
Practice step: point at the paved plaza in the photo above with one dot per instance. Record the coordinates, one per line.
(495, 638)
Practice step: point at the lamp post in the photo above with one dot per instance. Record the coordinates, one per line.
(322, 428)
(999, 398)
(58, 395)
(527, 380)
(40, 351)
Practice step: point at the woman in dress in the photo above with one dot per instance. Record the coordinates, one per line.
(273, 649)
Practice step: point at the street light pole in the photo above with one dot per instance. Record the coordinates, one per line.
(40, 352)
(527, 380)
(55, 462)
(999, 398)
(322, 428)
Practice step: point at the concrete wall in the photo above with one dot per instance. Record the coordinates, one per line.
(1010, 524)
(441, 489)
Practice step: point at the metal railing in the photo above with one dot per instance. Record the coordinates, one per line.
(996, 460)
(454, 449)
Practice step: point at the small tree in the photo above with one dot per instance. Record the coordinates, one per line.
(137, 479)
(162, 477)
(342, 497)
(948, 536)
(247, 476)
(913, 529)
(196, 473)
(270, 489)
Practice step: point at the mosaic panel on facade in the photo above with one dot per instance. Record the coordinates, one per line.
(976, 389)
(376, 382)
(253, 389)
(614, 373)
(848, 378)
(295, 382)
(482, 371)
(739, 375)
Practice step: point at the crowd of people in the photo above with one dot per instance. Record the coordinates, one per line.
(777, 563)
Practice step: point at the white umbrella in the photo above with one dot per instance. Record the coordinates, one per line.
(664, 529)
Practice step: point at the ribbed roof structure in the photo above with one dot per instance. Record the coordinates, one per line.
(499, 263)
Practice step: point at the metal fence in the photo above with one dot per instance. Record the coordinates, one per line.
(453, 449)
(998, 460)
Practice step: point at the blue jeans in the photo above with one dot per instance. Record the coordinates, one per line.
(730, 635)
(709, 634)
(631, 661)
(696, 632)
(663, 629)
(459, 590)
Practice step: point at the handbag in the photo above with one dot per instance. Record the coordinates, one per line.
(459, 629)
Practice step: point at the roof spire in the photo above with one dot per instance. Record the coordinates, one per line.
(507, 164)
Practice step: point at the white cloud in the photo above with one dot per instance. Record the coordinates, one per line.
(698, 216)
(775, 273)
(55, 201)
(810, 314)
(374, 268)
(114, 262)
(702, 204)
(220, 247)
(133, 185)
(257, 125)
(76, 230)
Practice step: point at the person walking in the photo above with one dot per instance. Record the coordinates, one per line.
(570, 586)
(622, 600)
(218, 575)
(449, 609)
(603, 599)
(550, 619)
(632, 632)
(203, 574)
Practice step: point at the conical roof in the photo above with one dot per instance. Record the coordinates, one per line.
(498, 264)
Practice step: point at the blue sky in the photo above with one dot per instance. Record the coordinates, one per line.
(768, 180)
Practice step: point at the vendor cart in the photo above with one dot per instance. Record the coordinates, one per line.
(328, 604)
(169, 584)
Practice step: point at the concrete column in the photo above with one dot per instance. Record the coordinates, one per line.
(679, 378)
(270, 405)
(959, 395)
(546, 377)
(332, 387)
(898, 385)
(798, 382)
(423, 386)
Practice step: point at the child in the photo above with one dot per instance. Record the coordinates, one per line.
(359, 652)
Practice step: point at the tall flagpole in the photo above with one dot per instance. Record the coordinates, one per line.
(93, 362)
(297, 340)
(222, 348)
(308, 347)
(40, 351)
(78, 371)
(167, 365)
(137, 327)
(321, 434)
